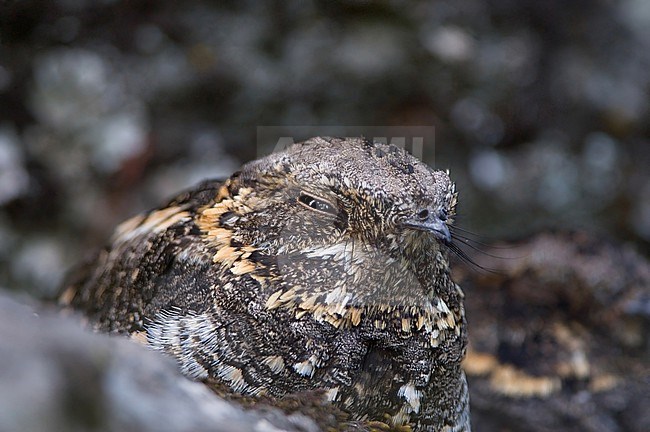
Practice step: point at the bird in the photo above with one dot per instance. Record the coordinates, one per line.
(324, 266)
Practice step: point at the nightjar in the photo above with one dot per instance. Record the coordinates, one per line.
(324, 266)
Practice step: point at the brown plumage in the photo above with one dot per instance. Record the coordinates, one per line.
(321, 267)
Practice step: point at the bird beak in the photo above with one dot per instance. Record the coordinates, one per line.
(433, 225)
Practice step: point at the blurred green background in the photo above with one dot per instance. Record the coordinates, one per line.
(108, 107)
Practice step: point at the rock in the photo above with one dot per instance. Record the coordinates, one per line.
(54, 376)
(559, 336)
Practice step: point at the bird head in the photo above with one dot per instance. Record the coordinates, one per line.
(327, 189)
(364, 220)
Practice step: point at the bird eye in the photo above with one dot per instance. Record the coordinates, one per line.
(317, 204)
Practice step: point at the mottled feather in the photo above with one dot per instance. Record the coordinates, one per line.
(323, 267)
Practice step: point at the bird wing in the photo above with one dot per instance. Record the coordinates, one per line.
(155, 260)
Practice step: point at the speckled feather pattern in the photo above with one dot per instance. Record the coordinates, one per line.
(299, 272)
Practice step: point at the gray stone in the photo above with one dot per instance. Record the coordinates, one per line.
(55, 376)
